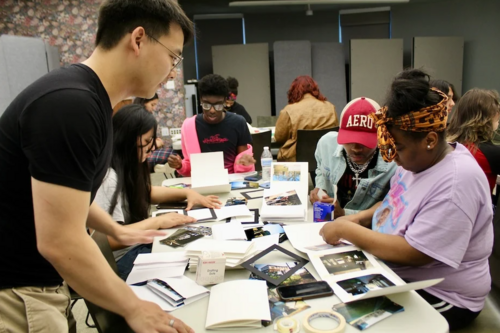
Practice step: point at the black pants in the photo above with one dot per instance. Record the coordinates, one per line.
(456, 317)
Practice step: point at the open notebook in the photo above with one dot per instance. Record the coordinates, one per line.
(238, 304)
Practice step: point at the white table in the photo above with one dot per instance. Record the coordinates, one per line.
(418, 317)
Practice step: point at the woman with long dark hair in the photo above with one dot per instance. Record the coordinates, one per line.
(307, 109)
(126, 192)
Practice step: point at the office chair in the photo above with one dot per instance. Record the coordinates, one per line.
(259, 141)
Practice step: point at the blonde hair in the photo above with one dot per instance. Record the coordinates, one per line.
(471, 121)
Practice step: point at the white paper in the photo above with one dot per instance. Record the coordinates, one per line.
(240, 303)
(146, 294)
(201, 214)
(265, 242)
(230, 211)
(201, 163)
(275, 212)
(230, 248)
(301, 186)
(241, 176)
(303, 235)
(141, 275)
(161, 257)
(186, 287)
(228, 231)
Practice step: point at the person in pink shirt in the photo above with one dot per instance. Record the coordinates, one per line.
(436, 220)
(215, 130)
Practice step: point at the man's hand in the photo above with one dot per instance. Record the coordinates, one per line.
(148, 317)
(313, 196)
(196, 199)
(246, 160)
(338, 211)
(131, 236)
(174, 161)
(171, 220)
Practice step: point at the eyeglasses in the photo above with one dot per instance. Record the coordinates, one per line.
(176, 59)
(151, 144)
(208, 106)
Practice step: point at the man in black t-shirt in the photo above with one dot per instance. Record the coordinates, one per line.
(215, 130)
(55, 148)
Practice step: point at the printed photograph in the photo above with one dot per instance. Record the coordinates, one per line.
(365, 313)
(363, 284)
(243, 185)
(181, 237)
(289, 198)
(180, 185)
(346, 262)
(323, 247)
(275, 271)
(286, 173)
(205, 231)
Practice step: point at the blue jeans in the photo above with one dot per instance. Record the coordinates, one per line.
(126, 262)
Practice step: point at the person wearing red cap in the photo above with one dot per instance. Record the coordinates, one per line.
(350, 160)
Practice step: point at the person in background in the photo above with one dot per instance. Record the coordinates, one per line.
(447, 88)
(351, 161)
(126, 192)
(436, 220)
(56, 145)
(307, 109)
(161, 153)
(215, 130)
(231, 104)
(473, 124)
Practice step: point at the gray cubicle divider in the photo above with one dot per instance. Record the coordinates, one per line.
(374, 64)
(328, 70)
(4, 82)
(53, 58)
(441, 57)
(249, 64)
(291, 59)
(25, 59)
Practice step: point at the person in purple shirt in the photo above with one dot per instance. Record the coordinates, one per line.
(436, 220)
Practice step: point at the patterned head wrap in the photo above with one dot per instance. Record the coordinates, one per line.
(232, 96)
(429, 119)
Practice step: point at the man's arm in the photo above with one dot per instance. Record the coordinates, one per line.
(60, 219)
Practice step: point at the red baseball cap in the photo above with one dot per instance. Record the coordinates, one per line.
(355, 124)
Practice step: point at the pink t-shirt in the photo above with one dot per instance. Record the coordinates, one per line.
(445, 212)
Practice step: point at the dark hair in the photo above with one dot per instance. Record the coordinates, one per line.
(304, 85)
(213, 85)
(134, 183)
(144, 101)
(233, 85)
(444, 86)
(119, 17)
(411, 91)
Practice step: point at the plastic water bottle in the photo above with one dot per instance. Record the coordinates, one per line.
(265, 160)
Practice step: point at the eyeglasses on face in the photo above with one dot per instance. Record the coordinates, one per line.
(150, 144)
(176, 59)
(208, 106)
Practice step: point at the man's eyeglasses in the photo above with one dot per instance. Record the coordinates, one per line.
(176, 59)
(208, 106)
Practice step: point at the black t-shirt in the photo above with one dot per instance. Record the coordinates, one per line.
(346, 186)
(240, 109)
(58, 131)
(225, 136)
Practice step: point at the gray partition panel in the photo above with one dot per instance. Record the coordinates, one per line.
(25, 60)
(53, 58)
(5, 96)
(328, 69)
(441, 57)
(374, 64)
(249, 64)
(291, 59)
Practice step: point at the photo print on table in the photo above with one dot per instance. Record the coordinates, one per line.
(277, 270)
(289, 198)
(286, 173)
(346, 262)
(363, 284)
(181, 237)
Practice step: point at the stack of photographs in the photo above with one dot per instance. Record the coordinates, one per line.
(365, 313)
(186, 235)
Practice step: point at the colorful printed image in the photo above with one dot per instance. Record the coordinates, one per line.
(286, 173)
(363, 284)
(180, 185)
(275, 271)
(367, 312)
(181, 237)
(242, 185)
(289, 198)
(346, 262)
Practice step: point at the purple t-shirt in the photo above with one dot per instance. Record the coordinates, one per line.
(445, 212)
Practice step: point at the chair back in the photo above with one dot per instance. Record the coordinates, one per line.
(106, 321)
(166, 170)
(307, 140)
(259, 141)
(495, 255)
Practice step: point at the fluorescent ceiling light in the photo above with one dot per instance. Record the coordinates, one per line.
(311, 2)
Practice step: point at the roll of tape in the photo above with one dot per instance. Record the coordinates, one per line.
(324, 314)
(287, 325)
